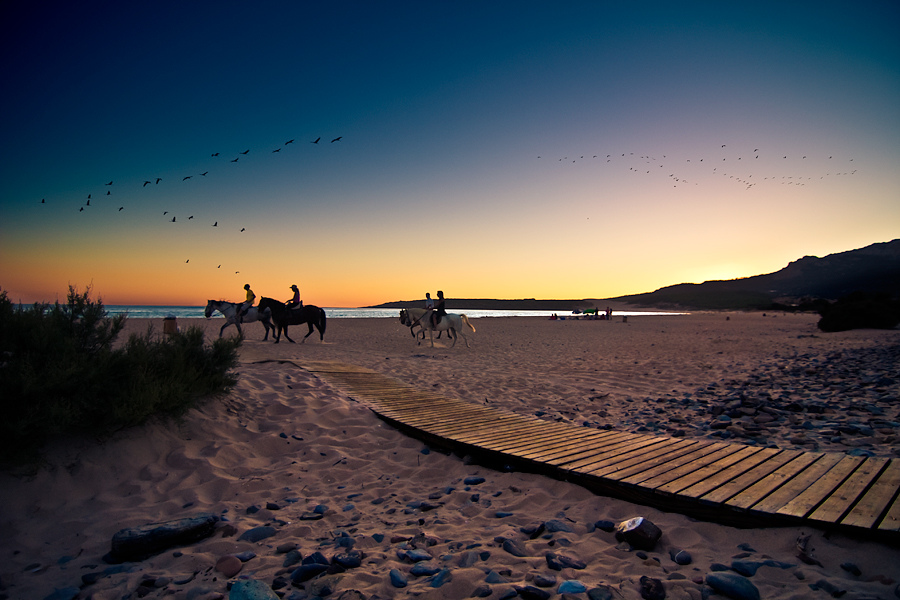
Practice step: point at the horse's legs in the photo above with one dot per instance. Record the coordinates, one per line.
(452, 333)
(223, 328)
(287, 336)
(308, 334)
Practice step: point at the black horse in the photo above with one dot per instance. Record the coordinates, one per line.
(283, 316)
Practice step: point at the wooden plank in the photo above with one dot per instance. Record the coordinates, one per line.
(870, 507)
(543, 454)
(810, 497)
(528, 448)
(449, 427)
(706, 473)
(683, 464)
(644, 461)
(842, 499)
(776, 467)
(608, 464)
(607, 447)
(795, 485)
(500, 435)
(556, 440)
(740, 483)
(634, 445)
(891, 521)
(451, 420)
(453, 415)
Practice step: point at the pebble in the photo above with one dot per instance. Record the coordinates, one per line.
(571, 586)
(258, 533)
(398, 579)
(640, 532)
(251, 589)
(652, 589)
(530, 592)
(732, 585)
(514, 547)
(680, 557)
(229, 566)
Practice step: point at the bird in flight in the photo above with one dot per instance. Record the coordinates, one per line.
(173, 219)
(219, 267)
(190, 217)
(235, 160)
(108, 193)
(187, 261)
(289, 142)
(158, 179)
(81, 209)
(43, 200)
(245, 151)
(89, 196)
(215, 154)
(216, 224)
(110, 183)
(88, 202)
(165, 212)
(203, 174)
(276, 150)
(121, 207)
(337, 139)
(188, 177)
(317, 141)
(145, 184)
(242, 229)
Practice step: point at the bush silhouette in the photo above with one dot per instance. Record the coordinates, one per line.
(860, 311)
(61, 375)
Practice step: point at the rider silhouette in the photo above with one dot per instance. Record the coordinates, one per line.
(251, 297)
(295, 300)
(438, 311)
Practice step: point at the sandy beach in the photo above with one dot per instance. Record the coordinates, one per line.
(287, 452)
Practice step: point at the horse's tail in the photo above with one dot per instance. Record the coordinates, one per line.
(465, 320)
(322, 321)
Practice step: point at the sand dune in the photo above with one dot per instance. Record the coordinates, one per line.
(286, 450)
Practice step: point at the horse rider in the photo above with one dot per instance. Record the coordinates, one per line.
(251, 297)
(438, 311)
(295, 301)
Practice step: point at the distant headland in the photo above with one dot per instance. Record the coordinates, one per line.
(874, 269)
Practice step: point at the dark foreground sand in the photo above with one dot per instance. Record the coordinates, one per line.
(329, 476)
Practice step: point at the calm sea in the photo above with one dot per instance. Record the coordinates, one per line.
(196, 312)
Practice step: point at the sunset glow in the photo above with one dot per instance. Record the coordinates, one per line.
(519, 150)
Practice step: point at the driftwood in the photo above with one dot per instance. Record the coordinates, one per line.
(138, 543)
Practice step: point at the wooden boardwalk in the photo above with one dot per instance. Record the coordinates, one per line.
(725, 482)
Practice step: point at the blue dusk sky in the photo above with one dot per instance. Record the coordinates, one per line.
(503, 149)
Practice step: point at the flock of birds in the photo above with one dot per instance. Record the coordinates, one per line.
(169, 217)
(739, 167)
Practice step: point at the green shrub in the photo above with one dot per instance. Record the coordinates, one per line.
(60, 374)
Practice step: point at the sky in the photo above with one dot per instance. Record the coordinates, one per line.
(489, 150)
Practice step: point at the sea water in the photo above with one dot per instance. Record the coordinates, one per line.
(196, 312)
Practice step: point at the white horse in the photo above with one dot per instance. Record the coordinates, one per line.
(451, 323)
(230, 311)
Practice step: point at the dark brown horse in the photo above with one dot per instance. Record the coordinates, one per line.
(282, 316)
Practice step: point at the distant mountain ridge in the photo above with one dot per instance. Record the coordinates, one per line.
(873, 269)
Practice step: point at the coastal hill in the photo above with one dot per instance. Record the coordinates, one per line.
(873, 269)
